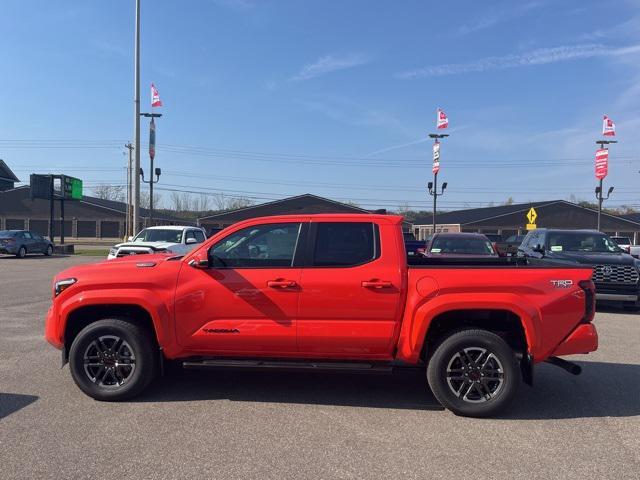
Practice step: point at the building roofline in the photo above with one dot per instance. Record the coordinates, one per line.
(274, 202)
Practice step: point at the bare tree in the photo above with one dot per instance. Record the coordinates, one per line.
(110, 192)
(145, 199)
(226, 202)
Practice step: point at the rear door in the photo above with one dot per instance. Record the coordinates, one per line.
(29, 242)
(247, 301)
(350, 290)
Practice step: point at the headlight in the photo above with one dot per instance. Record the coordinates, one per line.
(61, 285)
(113, 251)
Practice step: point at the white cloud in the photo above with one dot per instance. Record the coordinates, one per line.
(500, 14)
(328, 64)
(540, 56)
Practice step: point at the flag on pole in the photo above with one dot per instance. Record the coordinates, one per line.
(155, 97)
(608, 127)
(442, 121)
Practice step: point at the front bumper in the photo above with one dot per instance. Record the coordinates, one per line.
(8, 250)
(51, 328)
(583, 339)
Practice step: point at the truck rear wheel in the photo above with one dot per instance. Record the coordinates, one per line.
(112, 359)
(474, 373)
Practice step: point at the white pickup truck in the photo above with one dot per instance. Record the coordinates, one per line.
(167, 238)
(627, 245)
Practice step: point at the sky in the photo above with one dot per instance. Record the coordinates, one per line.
(270, 98)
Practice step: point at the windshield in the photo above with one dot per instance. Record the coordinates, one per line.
(582, 242)
(462, 246)
(7, 234)
(159, 235)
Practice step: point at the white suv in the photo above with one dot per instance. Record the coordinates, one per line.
(167, 238)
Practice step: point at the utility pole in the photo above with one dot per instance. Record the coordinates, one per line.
(128, 223)
(136, 124)
(433, 186)
(599, 190)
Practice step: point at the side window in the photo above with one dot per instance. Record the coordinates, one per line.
(268, 245)
(36, 236)
(344, 244)
(189, 234)
(26, 234)
(199, 236)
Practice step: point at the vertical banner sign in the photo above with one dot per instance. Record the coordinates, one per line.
(608, 127)
(602, 163)
(442, 121)
(155, 97)
(436, 157)
(152, 140)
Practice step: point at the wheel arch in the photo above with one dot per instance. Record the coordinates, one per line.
(83, 316)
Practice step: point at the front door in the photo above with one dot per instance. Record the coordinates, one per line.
(247, 301)
(351, 291)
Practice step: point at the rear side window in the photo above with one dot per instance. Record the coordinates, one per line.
(344, 244)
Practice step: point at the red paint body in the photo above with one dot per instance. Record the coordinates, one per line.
(381, 310)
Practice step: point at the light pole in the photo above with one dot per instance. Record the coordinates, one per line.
(433, 186)
(599, 190)
(152, 156)
(136, 123)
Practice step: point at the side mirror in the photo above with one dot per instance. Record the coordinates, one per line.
(200, 260)
(129, 239)
(191, 241)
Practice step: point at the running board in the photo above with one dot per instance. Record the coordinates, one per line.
(287, 365)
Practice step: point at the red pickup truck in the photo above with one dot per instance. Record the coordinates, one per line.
(328, 292)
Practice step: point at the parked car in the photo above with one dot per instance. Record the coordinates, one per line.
(615, 273)
(167, 238)
(22, 242)
(509, 246)
(320, 292)
(413, 246)
(459, 245)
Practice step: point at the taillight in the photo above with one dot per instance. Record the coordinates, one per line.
(589, 300)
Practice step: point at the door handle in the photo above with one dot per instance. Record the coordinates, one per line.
(376, 284)
(281, 283)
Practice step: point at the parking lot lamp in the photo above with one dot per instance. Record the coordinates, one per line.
(599, 189)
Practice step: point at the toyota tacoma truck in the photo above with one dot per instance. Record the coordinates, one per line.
(332, 292)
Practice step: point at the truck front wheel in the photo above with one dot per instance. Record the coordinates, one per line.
(112, 359)
(474, 373)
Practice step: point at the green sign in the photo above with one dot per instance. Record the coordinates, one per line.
(71, 188)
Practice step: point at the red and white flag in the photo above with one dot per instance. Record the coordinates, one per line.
(155, 97)
(608, 127)
(442, 121)
(602, 163)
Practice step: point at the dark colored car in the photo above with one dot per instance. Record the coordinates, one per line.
(509, 246)
(22, 242)
(412, 246)
(467, 245)
(615, 273)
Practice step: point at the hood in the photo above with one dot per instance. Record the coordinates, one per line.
(593, 258)
(121, 268)
(153, 245)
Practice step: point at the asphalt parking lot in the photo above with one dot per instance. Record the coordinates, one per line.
(283, 425)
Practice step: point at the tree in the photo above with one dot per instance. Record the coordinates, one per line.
(110, 192)
(226, 202)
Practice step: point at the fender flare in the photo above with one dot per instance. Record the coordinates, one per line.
(424, 313)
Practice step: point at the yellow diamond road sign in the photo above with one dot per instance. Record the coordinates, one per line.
(532, 215)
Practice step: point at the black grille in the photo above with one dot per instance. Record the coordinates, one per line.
(619, 274)
(126, 253)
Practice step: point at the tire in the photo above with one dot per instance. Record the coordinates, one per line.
(22, 252)
(48, 251)
(115, 371)
(474, 392)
